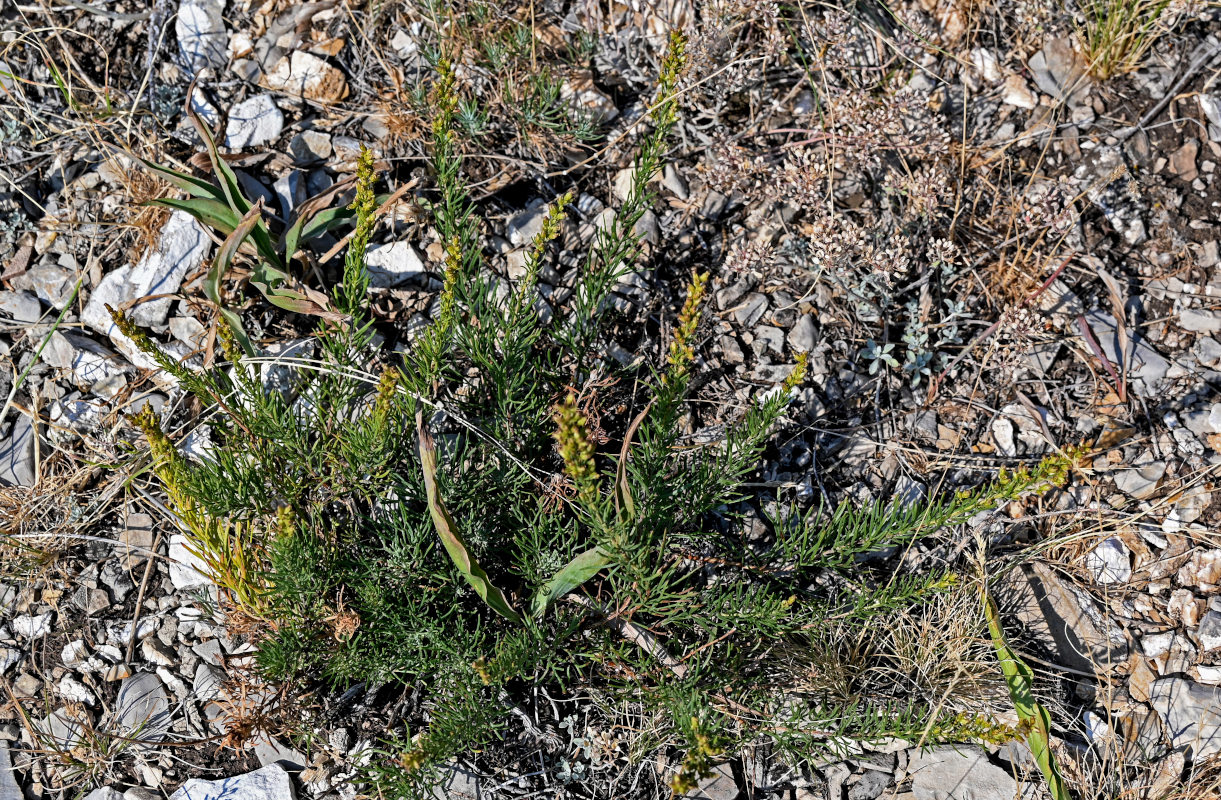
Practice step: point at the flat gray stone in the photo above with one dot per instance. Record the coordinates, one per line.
(9, 790)
(394, 264)
(1146, 367)
(309, 147)
(51, 283)
(1192, 713)
(962, 773)
(269, 783)
(142, 709)
(1198, 320)
(524, 226)
(271, 751)
(253, 122)
(20, 306)
(718, 786)
(17, 453)
(1077, 635)
(200, 29)
(89, 361)
(802, 336)
(1141, 482)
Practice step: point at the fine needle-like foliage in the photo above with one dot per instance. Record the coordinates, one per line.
(450, 520)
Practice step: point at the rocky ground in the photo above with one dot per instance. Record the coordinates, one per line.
(1075, 299)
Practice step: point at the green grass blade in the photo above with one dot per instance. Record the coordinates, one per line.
(448, 530)
(220, 265)
(1032, 715)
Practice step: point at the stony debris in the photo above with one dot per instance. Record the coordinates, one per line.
(1110, 562)
(200, 29)
(394, 264)
(254, 122)
(143, 707)
(962, 773)
(1191, 713)
(269, 783)
(17, 452)
(306, 75)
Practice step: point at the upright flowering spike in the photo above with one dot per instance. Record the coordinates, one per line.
(576, 447)
(682, 348)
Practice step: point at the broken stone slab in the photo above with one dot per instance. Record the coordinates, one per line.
(20, 306)
(271, 751)
(200, 29)
(720, 785)
(17, 453)
(59, 731)
(1067, 622)
(181, 248)
(962, 772)
(1192, 714)
(394, 264)
(9, 790)
(460, 783)
(304, 74)
(1141, 482)
(142, 710)
(1199, 320)
(187, 570)
(269, 783)
(89, 361)
(253, 122)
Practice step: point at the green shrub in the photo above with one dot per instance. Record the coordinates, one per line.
(453, 522)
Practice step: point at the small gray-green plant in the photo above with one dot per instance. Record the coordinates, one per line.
(452, 519)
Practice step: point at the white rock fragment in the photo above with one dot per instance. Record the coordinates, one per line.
(1109, 562)
(72, 689)
(1141, 482)
(394, 264)
(74, 653)
(89, 361)
(987, 63)
(181, 249)
(187, 570)
(32, 626)
(1002, 434)
(253, 122)
(1017, 93)
(143, 708)
(959, 772)
(269, 783)
(200, 29)
(306, 75)
(1192, 713)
